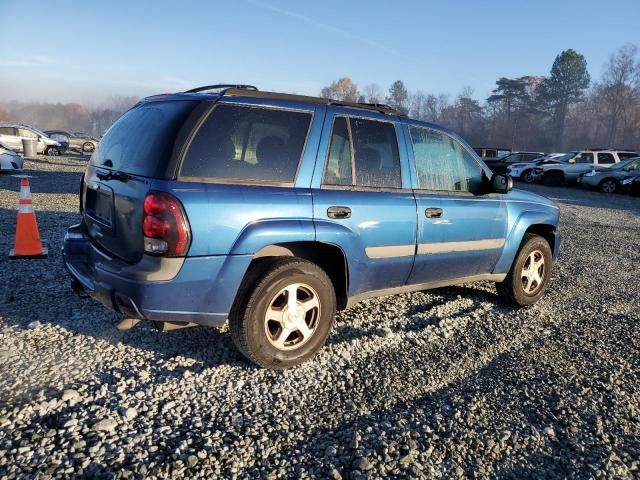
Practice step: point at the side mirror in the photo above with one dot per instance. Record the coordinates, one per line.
(501, 183)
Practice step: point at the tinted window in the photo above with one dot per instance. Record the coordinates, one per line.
(375, 147)
(248, 143)
(623, 155)
(142, 140)
(606, 158)
(442, 163)
(338, 171)
(6, 131)
(584, 158)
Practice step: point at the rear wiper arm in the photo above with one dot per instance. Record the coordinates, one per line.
(117, 175)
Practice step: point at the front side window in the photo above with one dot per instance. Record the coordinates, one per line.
(23, 132)
(606, 158)
(584, 158)
(443, 164)
(366, 148)
(248, 143)
(624, 155)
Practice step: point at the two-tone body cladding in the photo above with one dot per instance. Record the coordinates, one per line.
(274, 210)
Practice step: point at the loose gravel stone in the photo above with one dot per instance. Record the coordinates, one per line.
(448, 383)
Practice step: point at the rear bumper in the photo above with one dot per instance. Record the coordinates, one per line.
(199, 289)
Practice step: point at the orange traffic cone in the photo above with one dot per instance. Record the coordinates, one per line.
(27, 243)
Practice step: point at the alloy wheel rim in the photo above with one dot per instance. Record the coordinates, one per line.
(533, 272)
(292, 316)
(608, 186)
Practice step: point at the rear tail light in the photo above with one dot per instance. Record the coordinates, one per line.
(165, 226)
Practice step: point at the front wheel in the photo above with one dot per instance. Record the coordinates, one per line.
(88, 147)
(608, 185)
(527, 176)
(530, 273)
(284, 312)
(52, 151)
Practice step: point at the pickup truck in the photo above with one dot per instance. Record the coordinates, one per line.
(273, 211)
(572, 165)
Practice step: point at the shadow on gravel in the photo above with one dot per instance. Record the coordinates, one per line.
(44, 182)
(51, 161)
(418, 316)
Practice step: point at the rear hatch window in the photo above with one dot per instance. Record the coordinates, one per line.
(141, 142)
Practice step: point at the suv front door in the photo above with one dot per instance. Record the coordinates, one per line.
(460, 232)
(362, 198)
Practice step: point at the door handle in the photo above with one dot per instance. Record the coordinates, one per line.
(433, 212)
(338, 212)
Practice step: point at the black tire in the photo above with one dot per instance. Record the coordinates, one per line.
(512, 288)
(88, 147)
(527, 176)
(259, 289)
(52, 151)
(553, 178)
(608, 185)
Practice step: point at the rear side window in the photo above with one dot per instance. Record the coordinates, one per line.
(624, 155)
(6, 131)
(141, 141)
(248, 144)
(606, 158)
(366, 148)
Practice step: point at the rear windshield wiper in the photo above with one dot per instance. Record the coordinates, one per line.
(118, 175)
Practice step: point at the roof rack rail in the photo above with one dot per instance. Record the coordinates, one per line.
(222, 87)
(378, 107)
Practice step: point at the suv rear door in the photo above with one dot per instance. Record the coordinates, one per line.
(362, 198)
(9, 136)
(137, 149)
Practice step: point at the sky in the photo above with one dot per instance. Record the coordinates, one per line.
(90, 51)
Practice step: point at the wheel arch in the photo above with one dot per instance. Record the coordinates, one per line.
(543, 223)
(330, 257)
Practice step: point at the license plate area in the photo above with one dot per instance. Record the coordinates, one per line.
(99, 204)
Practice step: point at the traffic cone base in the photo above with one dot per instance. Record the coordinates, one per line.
(27, 244)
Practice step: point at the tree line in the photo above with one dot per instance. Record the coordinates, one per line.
(71, 117)
(558, 112)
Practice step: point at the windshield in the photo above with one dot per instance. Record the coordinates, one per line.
(566, 157)
(622, 164)
(506, 155)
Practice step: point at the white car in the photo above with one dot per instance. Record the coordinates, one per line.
(12, 134)
(10, 161)
(525, 170)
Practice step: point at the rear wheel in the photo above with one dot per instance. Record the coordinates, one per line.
(530, 273)
(284, 312)
(88, 147)
(608, 185)
(527, 176)
(553, 178)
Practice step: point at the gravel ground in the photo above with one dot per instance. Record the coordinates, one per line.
(441, 384)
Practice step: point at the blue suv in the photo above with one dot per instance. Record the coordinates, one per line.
(273, 211)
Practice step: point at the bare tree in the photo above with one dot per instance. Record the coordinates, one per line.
(373, 93)
(621, 75)
(343, 89)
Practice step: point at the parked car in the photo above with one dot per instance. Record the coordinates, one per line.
(61, 137)
(609, 180)
(9, 159)
(490, 153)
(12, 134)
(500, 164)
(571, 165)
(274, 210)
(631, 185)
(524, 171)
(78, 142)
